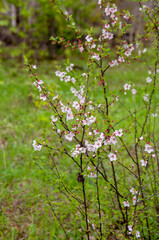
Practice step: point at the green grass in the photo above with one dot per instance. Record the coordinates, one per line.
(24, 210)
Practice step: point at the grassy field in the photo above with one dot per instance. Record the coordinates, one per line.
(24, 209)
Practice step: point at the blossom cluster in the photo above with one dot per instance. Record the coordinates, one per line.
(64, 75)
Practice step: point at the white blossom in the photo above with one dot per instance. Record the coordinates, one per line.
(148, 79)
(134, 91)
(38, 86)
(126, 204)
(112, 157)
(106, 26)
(76, 105)
(113, 63)
(55, 97)
(121, 59)
(132, 190)
(127, 86)
(69, 136)
(145, 97)
(69, 116)
(118, 133)
(81, 48)
(130, 228)
(89, 38)
(96, 56)
(144, 50)
(34, 66)
(43, 97)
(54, 119)
(143, 163)
(148, 148)
(134, 200)
(137, 234)
(36, 146)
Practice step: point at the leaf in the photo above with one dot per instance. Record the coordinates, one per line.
(26, 60)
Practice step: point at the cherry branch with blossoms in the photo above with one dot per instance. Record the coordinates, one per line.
(108, 164)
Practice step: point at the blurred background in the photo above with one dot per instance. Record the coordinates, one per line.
(26, 26)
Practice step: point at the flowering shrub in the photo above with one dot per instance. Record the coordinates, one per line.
(112, 162)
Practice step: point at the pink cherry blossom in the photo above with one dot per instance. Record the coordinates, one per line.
(127, 86)
(144, 50)
(93, 45)
(102, 136)
(36, 146)
(57, 96)
(54, 119)
(107, 34)
(90, 146)
(113, 63)
(88, 121)
(70, 68)
(34, 66)
(132, 190)
(97, 144)
(38, 86)
(106, 26)
(81, 48)
(129, 49)
(96, 56)
(126, 204)
(43, 97)
(76, 105)
(145, 97)
(73, 80)
(112, 157)
(121, 59)
(134, 91)
(126, 16)
(112, 140)
(67, 78)
(107, 11)
(148, 148)
(134, 200)
(130, 228)
(61, 75)
(137, 234)
(143, 163)
(118, 133)
(148, 79)
(69, 136)
(89, 39)
(69, 115)
(99, 2)
(127, 53)
(91, 173)
(84, 75)
(39, 81)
